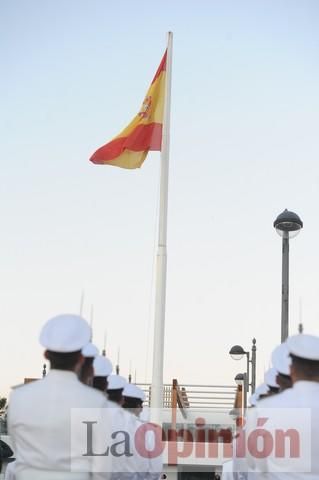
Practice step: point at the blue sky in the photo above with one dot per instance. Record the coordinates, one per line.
(244, 146)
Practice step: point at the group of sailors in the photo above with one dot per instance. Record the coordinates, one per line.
(279, 436)
(61, 426)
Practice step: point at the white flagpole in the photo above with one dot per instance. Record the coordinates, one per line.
(161, 262)
(81, 303)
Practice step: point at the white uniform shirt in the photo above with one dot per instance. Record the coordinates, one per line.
(228, 471)
(148, 466)
(39, 422)
(135, 466)
(10, 471)
(304, 395)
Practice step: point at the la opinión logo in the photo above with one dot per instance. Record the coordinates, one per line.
(198, 441)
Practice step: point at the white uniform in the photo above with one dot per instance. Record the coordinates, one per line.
(281, 410)
(135, 466)
(10, 471)
(228, 472)
(39, 422)
(149, 467)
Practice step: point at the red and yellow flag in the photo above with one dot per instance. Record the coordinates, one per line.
(144, 133)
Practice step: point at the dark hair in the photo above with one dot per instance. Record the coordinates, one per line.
(130, 402)
(307, 369)
(284, 381)
(100, 383)
(63, 361)
(273, 390)
(115, 395)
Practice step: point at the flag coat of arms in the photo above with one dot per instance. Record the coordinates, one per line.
(130, 148)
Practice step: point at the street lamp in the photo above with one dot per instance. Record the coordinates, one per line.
(239, 378)
(287, 225)
(237, 353)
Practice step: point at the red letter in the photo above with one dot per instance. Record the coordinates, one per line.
(140, 443)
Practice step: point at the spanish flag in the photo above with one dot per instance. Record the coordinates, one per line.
(130, 148)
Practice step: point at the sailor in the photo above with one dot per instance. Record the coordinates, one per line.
(9, 473)
(276, 379)
(252, 400)
(228, 470)
(102, 367)
(281, 361)
(133, 399)
(260, 392)
(296, 410)
(240, 468)
(128, 463)
(39, 414)
(270, 379)
(115, 387)
(89, 352)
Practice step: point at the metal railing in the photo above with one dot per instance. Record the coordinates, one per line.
(195, 396)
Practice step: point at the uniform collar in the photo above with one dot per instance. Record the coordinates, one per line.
(66, 375)
(306, 385)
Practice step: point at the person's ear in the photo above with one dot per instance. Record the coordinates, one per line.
(81, 360)
(293, 373)
(79, 363)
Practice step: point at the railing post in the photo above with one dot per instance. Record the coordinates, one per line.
(174, 404)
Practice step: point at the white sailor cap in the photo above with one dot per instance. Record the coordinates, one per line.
(65, 333)
(116, 382)
(253, 400)
(304, 346)
(270, 378)
(262, 389)
(133, 391)
(90, 350)
(281, 360)
(102, 366)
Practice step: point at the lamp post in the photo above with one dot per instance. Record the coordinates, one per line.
(237, 353)
(287, 225)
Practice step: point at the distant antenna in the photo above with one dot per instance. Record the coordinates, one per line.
(104, 345)
(91, 321)
(135, 376)
(82, 303)
(130, 373)
(117, 368)
(300, 326)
